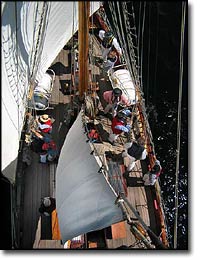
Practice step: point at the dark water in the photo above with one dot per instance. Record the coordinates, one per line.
(160, 74)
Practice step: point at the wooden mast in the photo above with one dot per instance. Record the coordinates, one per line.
(83, 40)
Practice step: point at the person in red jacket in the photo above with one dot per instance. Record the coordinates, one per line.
(45, 123)
(118, 126)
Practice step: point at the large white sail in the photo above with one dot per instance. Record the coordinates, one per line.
(84, 200)
(33, 33)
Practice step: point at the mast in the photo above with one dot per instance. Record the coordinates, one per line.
(83, 36)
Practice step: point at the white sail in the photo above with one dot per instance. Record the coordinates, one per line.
(33, 33)
(84, 201)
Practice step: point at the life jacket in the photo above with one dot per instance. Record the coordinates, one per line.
(107, 41)
(136, 150)
(116, 122)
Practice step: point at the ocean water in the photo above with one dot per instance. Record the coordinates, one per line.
(160, 78)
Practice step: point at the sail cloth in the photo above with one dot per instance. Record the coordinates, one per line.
(84, 200)
(33, 33)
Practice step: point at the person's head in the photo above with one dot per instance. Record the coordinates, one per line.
(108, 34)
(121, 116)
(112, 54)
(141, 140)
(44, 118)
(117, 92)
(47, 202)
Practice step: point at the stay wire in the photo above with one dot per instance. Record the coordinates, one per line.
(143, 22)
(179, 121)
(148, 56)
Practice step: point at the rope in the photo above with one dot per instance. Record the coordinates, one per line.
(150, 232)
(156, 55)
(36, 52)
(104, 171)
(17, 72)
(179, 121)
(138, 43)
(121, 200)
(143, 22)
(149, 51)
(116, 10)
(133, 72)
(40, 40)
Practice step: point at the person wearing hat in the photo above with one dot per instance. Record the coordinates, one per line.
(118, 126)
(48, 204)
(108, 42)
(114, 98)
(45, 123)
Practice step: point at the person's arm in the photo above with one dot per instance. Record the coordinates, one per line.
(125, 100)
(37, 134)
(107, 96)
(144, 155)
(127, 112)
(44, 126)
(122, 128)
(101, 34)
(117, 46)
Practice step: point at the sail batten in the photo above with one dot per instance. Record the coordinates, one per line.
(85, 202)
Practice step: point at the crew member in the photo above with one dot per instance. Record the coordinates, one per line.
(108, 41)
(119, 125)
(114, 98)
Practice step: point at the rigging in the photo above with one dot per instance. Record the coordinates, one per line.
(179, 121)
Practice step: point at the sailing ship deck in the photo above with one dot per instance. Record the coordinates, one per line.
(39, 179)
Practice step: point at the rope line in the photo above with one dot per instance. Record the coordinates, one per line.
(179, 121)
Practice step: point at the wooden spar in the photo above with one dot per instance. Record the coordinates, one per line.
(83, 40)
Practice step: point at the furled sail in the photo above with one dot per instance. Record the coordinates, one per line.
(33, 33)
(84, 200)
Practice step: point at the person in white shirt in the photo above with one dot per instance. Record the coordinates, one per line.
(108, 41)
(151, 176)
(134, 152)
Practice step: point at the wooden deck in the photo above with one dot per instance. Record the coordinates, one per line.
(39, 179)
